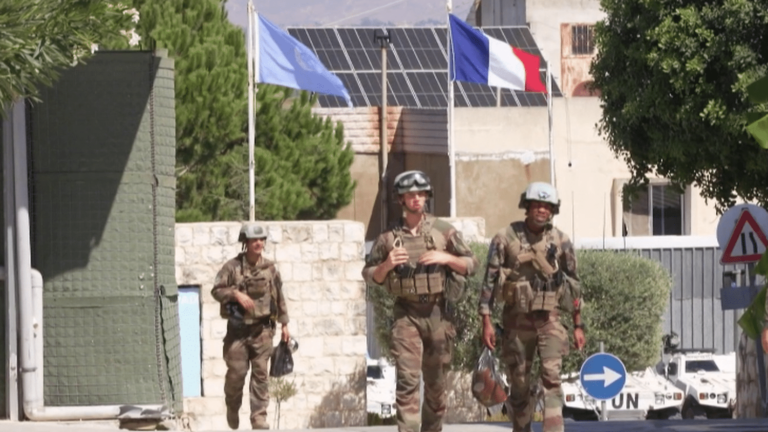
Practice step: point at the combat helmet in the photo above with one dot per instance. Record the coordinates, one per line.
(412, 181)
(251, 230)
(542, 192)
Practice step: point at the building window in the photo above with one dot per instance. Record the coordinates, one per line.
(582, 39)
(658, 210)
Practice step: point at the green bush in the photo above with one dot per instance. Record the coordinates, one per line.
(624, 296)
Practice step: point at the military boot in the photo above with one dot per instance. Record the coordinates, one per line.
(233, 418)
(259, 423)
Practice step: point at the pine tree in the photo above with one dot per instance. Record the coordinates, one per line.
(302, 165)
(210, 66)
(302, 162)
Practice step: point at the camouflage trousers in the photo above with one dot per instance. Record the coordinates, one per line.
(422, 344)
(248, 346)
(524, 335)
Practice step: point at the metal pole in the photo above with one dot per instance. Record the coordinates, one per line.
(11, 329)
(451, 149)
(549, 129)
(384, 141)
(603, 404)
(251, 117)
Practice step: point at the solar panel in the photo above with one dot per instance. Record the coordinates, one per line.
(479, 95)
(417, 65)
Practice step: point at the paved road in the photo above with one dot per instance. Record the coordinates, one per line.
(740, 425)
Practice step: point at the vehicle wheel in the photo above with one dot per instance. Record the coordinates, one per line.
(718, 414)
(668, 414)
(675, 416)
(692, 411)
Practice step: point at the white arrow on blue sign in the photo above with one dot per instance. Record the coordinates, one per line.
(603, 376)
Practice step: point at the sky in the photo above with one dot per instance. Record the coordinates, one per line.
(311, 13)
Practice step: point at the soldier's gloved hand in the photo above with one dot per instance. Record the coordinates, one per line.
(489, 333)
(396, 257)
(245, 300)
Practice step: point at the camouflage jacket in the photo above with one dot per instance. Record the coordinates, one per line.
(453, 241)
(498, 260)
(236, 274)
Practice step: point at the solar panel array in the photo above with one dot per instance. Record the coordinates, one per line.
(417, 67)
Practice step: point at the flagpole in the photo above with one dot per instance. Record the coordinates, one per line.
(451, 149)
(549, 128)
(251, 119)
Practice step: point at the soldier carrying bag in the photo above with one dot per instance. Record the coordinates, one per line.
(487, 385)
(282, 360)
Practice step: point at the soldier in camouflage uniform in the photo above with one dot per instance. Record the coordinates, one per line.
(413, 260)
(250, 291)
(532, 269)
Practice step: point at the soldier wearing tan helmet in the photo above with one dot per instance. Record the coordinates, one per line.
(532, 269)
(250, 291)
(414, 260)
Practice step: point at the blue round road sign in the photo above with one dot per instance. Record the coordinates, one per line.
(603, 376)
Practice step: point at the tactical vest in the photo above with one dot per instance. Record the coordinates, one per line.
(256, 281)
(529, 283)
(413, 278)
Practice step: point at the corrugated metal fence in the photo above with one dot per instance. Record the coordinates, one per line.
(694, 310)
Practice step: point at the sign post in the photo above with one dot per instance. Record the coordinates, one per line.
(741, 235)
(603, 377)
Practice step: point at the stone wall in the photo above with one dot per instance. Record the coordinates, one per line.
(320, 264)
(748, 398)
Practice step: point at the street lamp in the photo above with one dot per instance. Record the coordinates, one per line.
(383, 38)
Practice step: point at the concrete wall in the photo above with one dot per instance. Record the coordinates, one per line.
(496, 147)
(320, 264)
(498, 151)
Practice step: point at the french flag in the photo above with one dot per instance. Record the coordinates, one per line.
(480, 59)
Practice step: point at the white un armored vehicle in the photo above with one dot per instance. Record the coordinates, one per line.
(708, 380)
(380, 388)
(646, 395)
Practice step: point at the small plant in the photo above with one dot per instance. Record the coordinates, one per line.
(281, 390)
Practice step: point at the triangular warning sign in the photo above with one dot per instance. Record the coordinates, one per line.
(747, 243)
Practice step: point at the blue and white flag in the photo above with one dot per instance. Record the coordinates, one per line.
(285, 61)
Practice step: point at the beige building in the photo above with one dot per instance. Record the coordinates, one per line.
(500, 149)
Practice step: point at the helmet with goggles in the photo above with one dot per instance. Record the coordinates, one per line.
(412, 181)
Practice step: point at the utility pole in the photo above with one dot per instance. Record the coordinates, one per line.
(382, 36)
